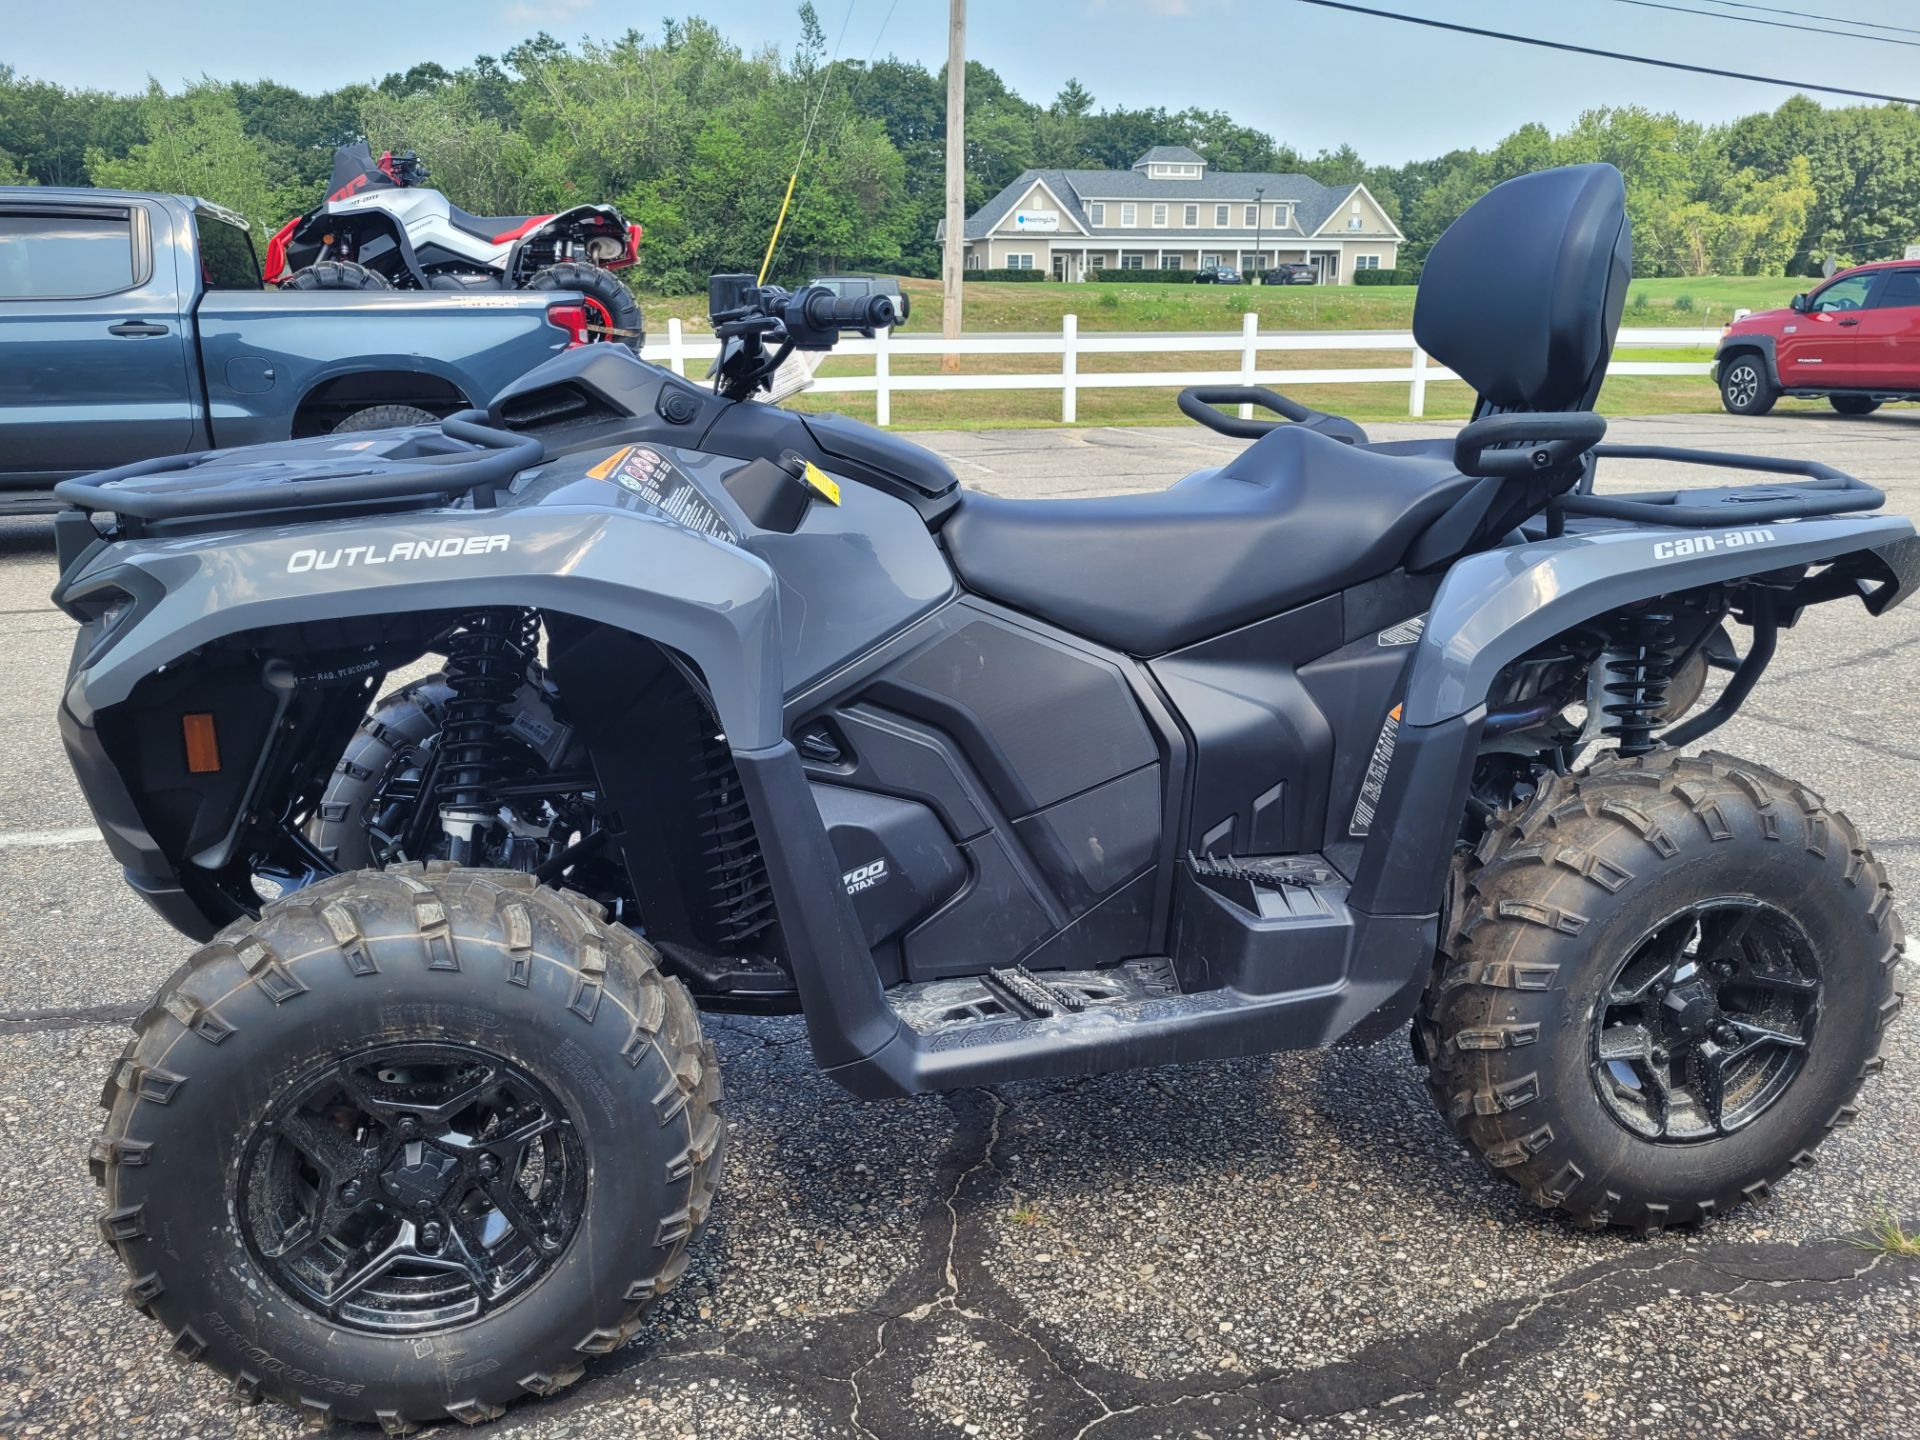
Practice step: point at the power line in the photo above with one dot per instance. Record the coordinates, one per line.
(1774, 24)
(1608, 54)
(1809, 15)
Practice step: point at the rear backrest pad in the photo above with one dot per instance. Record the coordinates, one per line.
(1521, 297)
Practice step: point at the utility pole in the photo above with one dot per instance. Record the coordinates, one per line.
(953, 254)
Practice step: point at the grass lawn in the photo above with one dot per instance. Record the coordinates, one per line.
(998, 306)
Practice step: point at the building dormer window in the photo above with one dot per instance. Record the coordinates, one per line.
(1097, 213)
(1280, 217)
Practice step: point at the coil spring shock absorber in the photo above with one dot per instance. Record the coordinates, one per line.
(1638, 665)
(487, 660)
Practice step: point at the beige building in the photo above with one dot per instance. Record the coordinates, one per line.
(1172, 211)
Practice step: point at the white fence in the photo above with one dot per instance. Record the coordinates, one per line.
(1248, 345)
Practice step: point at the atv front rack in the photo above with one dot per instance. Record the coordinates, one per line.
(424, 470)
(1823, 491)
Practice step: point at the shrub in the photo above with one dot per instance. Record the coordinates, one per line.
(1019, 275)
(1117, 276)
(1683, 302)
(1404, 276)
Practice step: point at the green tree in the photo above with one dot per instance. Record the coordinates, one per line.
(194, 143)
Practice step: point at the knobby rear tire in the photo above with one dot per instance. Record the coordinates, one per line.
(1549, 905)
(488, 959)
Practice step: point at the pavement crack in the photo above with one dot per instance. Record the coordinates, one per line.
(27, 1022)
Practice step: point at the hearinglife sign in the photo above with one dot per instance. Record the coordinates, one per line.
(1039, 221)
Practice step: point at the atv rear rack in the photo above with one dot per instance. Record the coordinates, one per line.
(1823, 491)
(463, 459)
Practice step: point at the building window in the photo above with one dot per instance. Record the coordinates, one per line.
(1159, 215)
(1191, 217)
(1354, 222)
(1129, 214)
(1280, 217)
(1022, 261)
(1249, 261)
(973, 261)
(1209, 259)
(1133, 261)
(1366, 262)
(1097, 262)
(1097, 213)
(1169, 262)
(1251, 217)
(1220, 217)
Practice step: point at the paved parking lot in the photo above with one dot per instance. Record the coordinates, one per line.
(1291, 1245)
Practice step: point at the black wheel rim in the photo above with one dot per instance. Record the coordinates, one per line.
(1707, 1022)
(411, 1188)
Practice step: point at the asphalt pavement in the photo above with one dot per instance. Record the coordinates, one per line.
(1292, 1245)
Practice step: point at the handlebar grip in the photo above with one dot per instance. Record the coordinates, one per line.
(827, 311)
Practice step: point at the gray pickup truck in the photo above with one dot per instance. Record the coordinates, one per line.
(136, 325)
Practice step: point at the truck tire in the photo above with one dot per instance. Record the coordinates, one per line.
(1853, 404)
(1666, 980)
(336, 275)
(410, 1146)
(1745, 386)
(385, 417)
(612, 312)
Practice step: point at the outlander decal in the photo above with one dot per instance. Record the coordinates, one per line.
(301, 561)
(1405, 633)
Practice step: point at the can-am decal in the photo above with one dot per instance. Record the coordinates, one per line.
(1687, 545)
(865, 877)
(302, 561)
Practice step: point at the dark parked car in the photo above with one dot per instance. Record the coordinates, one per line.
(1293, 273)
(854, 286)
(135, 326)
(1217, 275)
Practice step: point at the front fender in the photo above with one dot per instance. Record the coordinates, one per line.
(715, 604)
(1494, 607)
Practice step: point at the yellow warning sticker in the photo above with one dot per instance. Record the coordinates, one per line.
(823, 484)
(606, 467)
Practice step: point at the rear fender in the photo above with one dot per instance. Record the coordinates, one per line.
(1494, 607)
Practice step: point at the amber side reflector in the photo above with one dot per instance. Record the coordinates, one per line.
(203, 750)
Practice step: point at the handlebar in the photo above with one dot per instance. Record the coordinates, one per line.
(1546, 441)
(827, 311)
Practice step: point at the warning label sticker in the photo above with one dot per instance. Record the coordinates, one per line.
(1374, 782)
(645, 472)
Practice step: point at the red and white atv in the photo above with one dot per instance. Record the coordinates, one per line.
(380, 229)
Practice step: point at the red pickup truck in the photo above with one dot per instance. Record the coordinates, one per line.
(1855, 340)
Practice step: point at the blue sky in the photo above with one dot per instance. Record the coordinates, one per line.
(1312, 77)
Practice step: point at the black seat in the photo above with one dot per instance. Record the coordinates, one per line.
(486, 227)
(1293, 517)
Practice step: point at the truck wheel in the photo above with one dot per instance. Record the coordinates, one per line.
(1745, 386)
(1666, 980)
(612, 312)
(410, 1146)
(385, 417)
(336, 275)
(1853, 404)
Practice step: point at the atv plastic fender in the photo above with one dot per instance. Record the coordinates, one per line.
(1495, 606)
(714, 603)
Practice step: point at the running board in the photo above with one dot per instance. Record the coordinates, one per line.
(1267, 957)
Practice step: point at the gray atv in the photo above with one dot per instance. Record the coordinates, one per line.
(716, 706)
